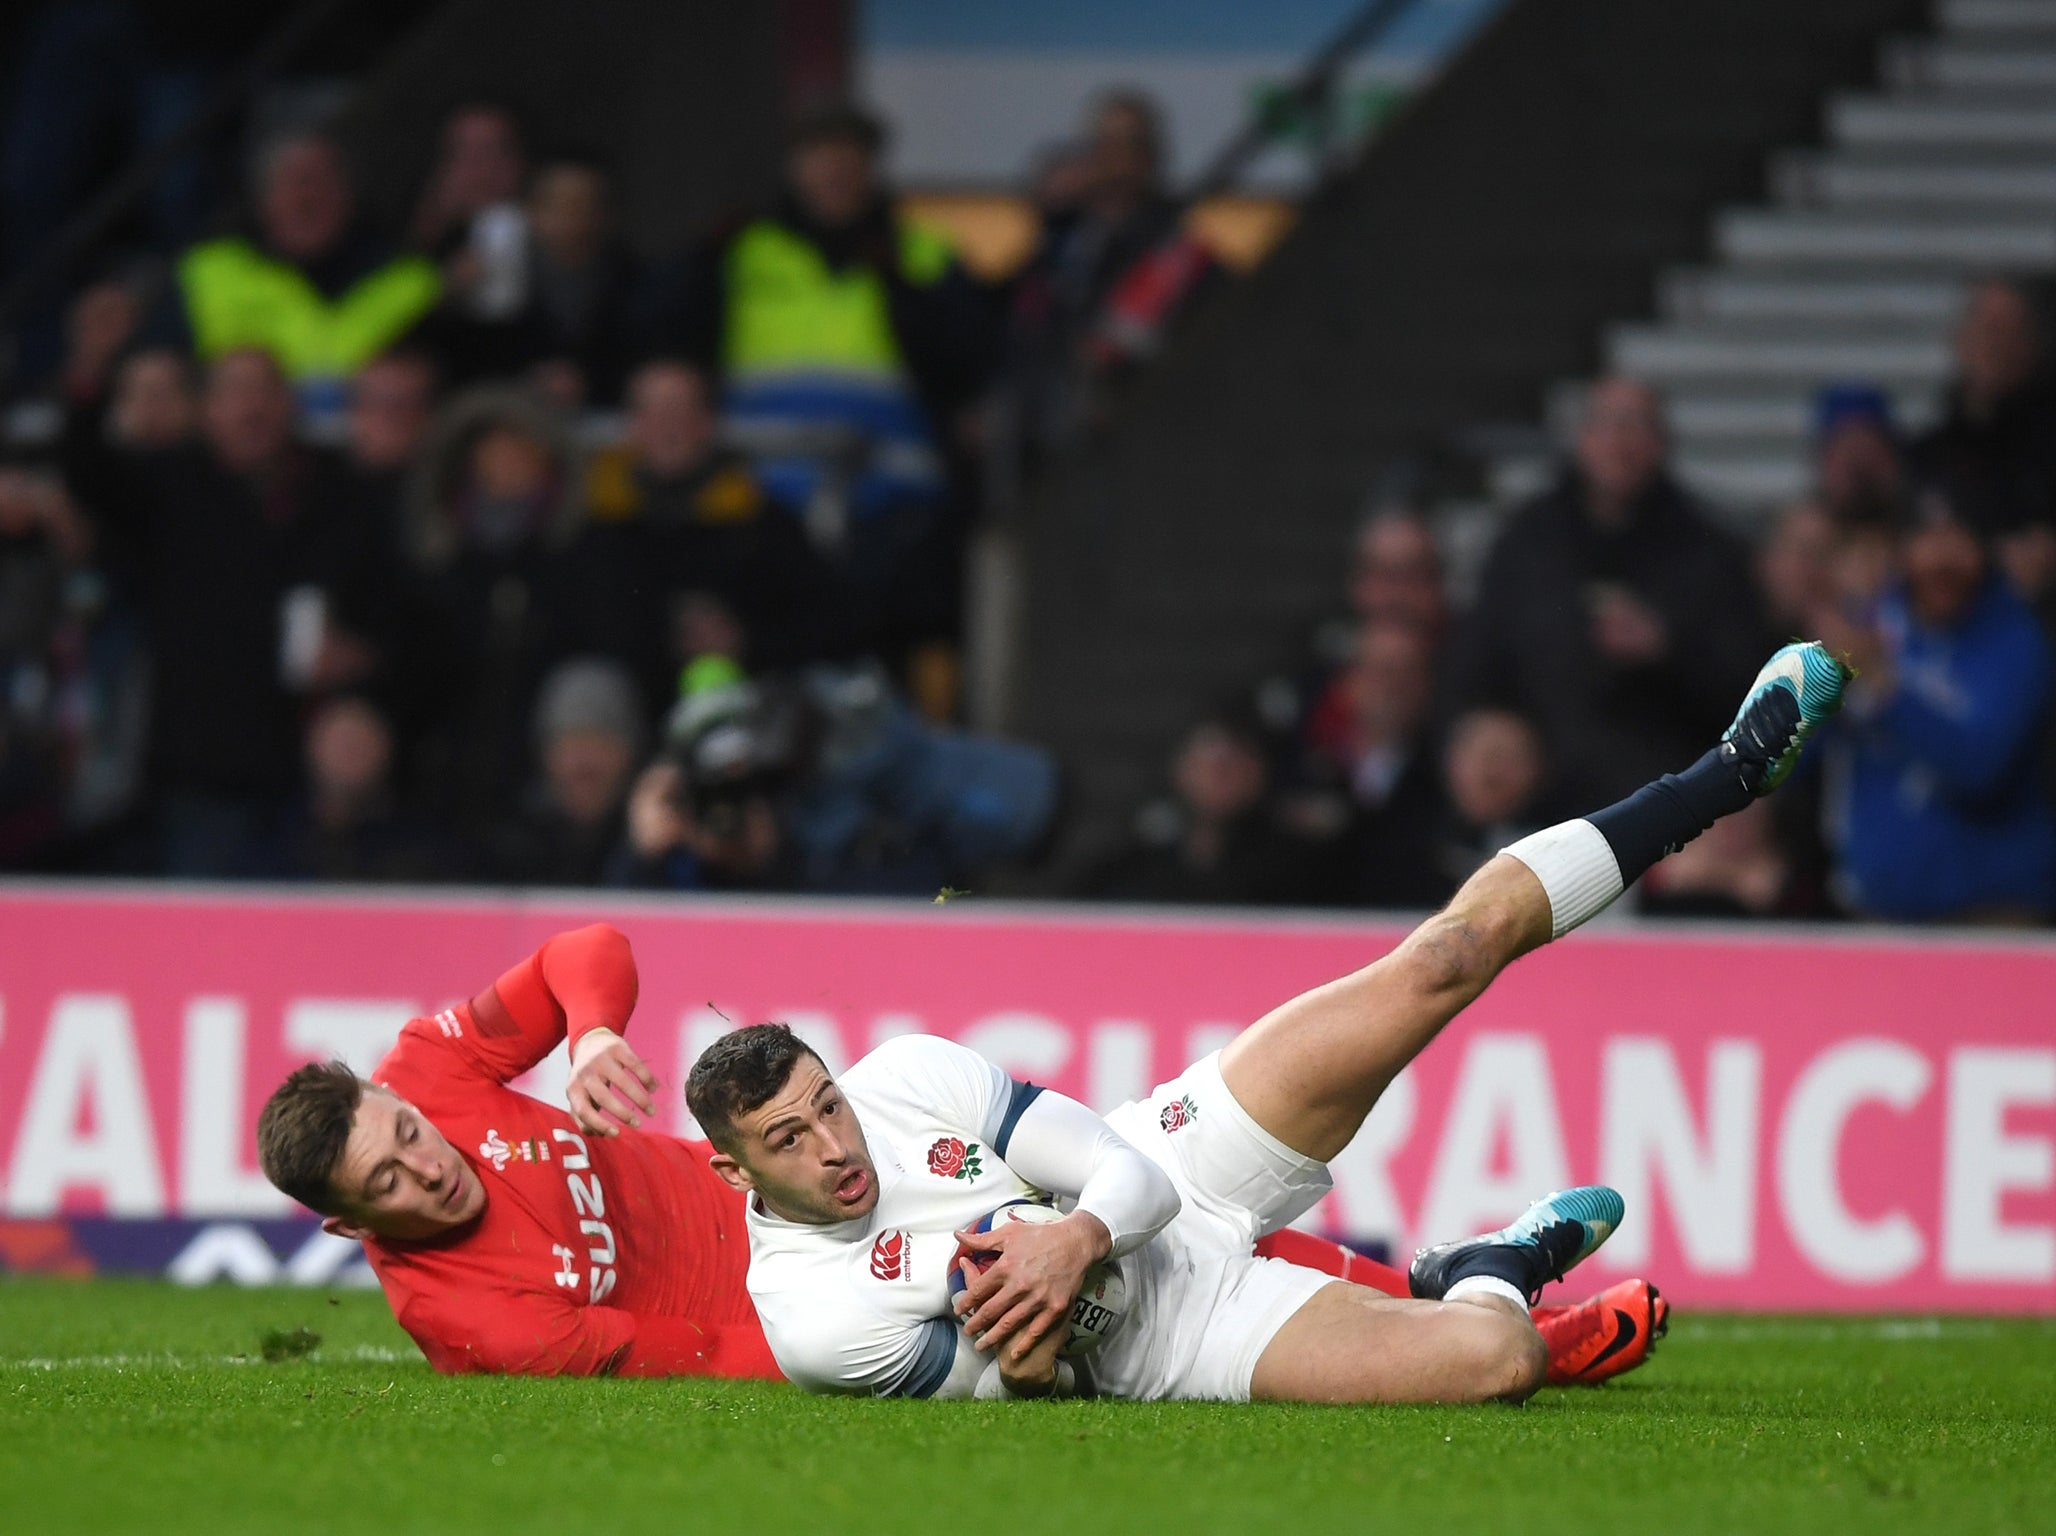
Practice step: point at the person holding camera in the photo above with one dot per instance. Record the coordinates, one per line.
(827, 780)
(705, 815)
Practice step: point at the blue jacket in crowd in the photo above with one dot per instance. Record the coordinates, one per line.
(1938, 793)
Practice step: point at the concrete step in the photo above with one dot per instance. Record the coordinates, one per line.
(1520, 477)
(1802, 329)
(1759, 483)
(1922, 65)
(1965, 188)
(1900, 122)
(1983, 18)
(1667, 355)
(1780, 415)
(1789, 239)
(1718, 295)
(1739, 490)
(1714, 416)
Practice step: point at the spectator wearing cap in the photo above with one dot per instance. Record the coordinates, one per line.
(846, 337)
(589, 732)
(1612, 611)
(1937, 812)
(310, 284)
(1858, 474)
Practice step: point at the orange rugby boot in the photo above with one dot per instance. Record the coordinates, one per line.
(1612, 1332)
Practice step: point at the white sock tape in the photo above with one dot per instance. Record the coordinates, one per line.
(1577, 869)
(1485, 1285)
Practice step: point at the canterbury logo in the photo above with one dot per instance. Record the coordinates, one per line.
(889, 1256)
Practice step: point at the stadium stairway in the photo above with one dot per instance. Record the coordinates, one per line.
(1471, 257)
(1856, 269)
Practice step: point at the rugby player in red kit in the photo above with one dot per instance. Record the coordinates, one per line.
(509, 1235)
(513, 1237)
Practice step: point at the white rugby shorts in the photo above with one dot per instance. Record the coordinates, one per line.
(1207, 1306)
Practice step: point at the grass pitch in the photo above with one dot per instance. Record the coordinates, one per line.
(140, 1407)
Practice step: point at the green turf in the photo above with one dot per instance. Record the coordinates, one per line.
(138, 1407)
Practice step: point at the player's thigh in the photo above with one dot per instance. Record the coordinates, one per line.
(1309, 1070)
(1349, 1344)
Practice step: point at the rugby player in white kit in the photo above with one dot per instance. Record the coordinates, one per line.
(861, 1191)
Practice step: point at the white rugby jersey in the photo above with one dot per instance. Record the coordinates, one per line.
(863, 1306)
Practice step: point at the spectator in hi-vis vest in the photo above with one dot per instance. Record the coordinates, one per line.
(310, 285)
(846, 336)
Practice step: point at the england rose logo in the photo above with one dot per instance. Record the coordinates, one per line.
(949, 1158)
(1178, 1113)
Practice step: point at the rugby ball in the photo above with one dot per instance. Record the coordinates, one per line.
(1102, 1299)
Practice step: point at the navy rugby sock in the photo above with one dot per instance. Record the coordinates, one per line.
(1661, 818)
(1511, 1263)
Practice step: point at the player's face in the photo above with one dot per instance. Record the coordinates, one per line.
(400, 1178)
(803, 1152)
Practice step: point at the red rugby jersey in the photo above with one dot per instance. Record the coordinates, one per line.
(594, 1254)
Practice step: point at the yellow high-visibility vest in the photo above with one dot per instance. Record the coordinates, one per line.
(789, 311)
(237, 296)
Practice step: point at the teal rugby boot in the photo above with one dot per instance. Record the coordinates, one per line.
(1556, 1233)
(1799, 687)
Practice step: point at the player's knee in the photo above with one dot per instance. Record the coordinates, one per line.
(1452, 952)
(1506, 1361)
(1527, 1366)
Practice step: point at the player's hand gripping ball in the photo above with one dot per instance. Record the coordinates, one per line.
(1102, 1300)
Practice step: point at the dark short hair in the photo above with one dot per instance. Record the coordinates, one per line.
(302, 1131)
(738, 1072)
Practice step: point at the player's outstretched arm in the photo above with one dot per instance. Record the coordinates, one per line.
(579, 982)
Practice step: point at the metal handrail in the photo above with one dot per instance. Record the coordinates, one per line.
(1311, 91)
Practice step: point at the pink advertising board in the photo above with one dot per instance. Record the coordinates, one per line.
(1846, 1121)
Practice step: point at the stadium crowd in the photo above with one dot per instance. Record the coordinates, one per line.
(1616, 615)
(483, 551)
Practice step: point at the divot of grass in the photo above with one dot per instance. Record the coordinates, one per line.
(277, 1344)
